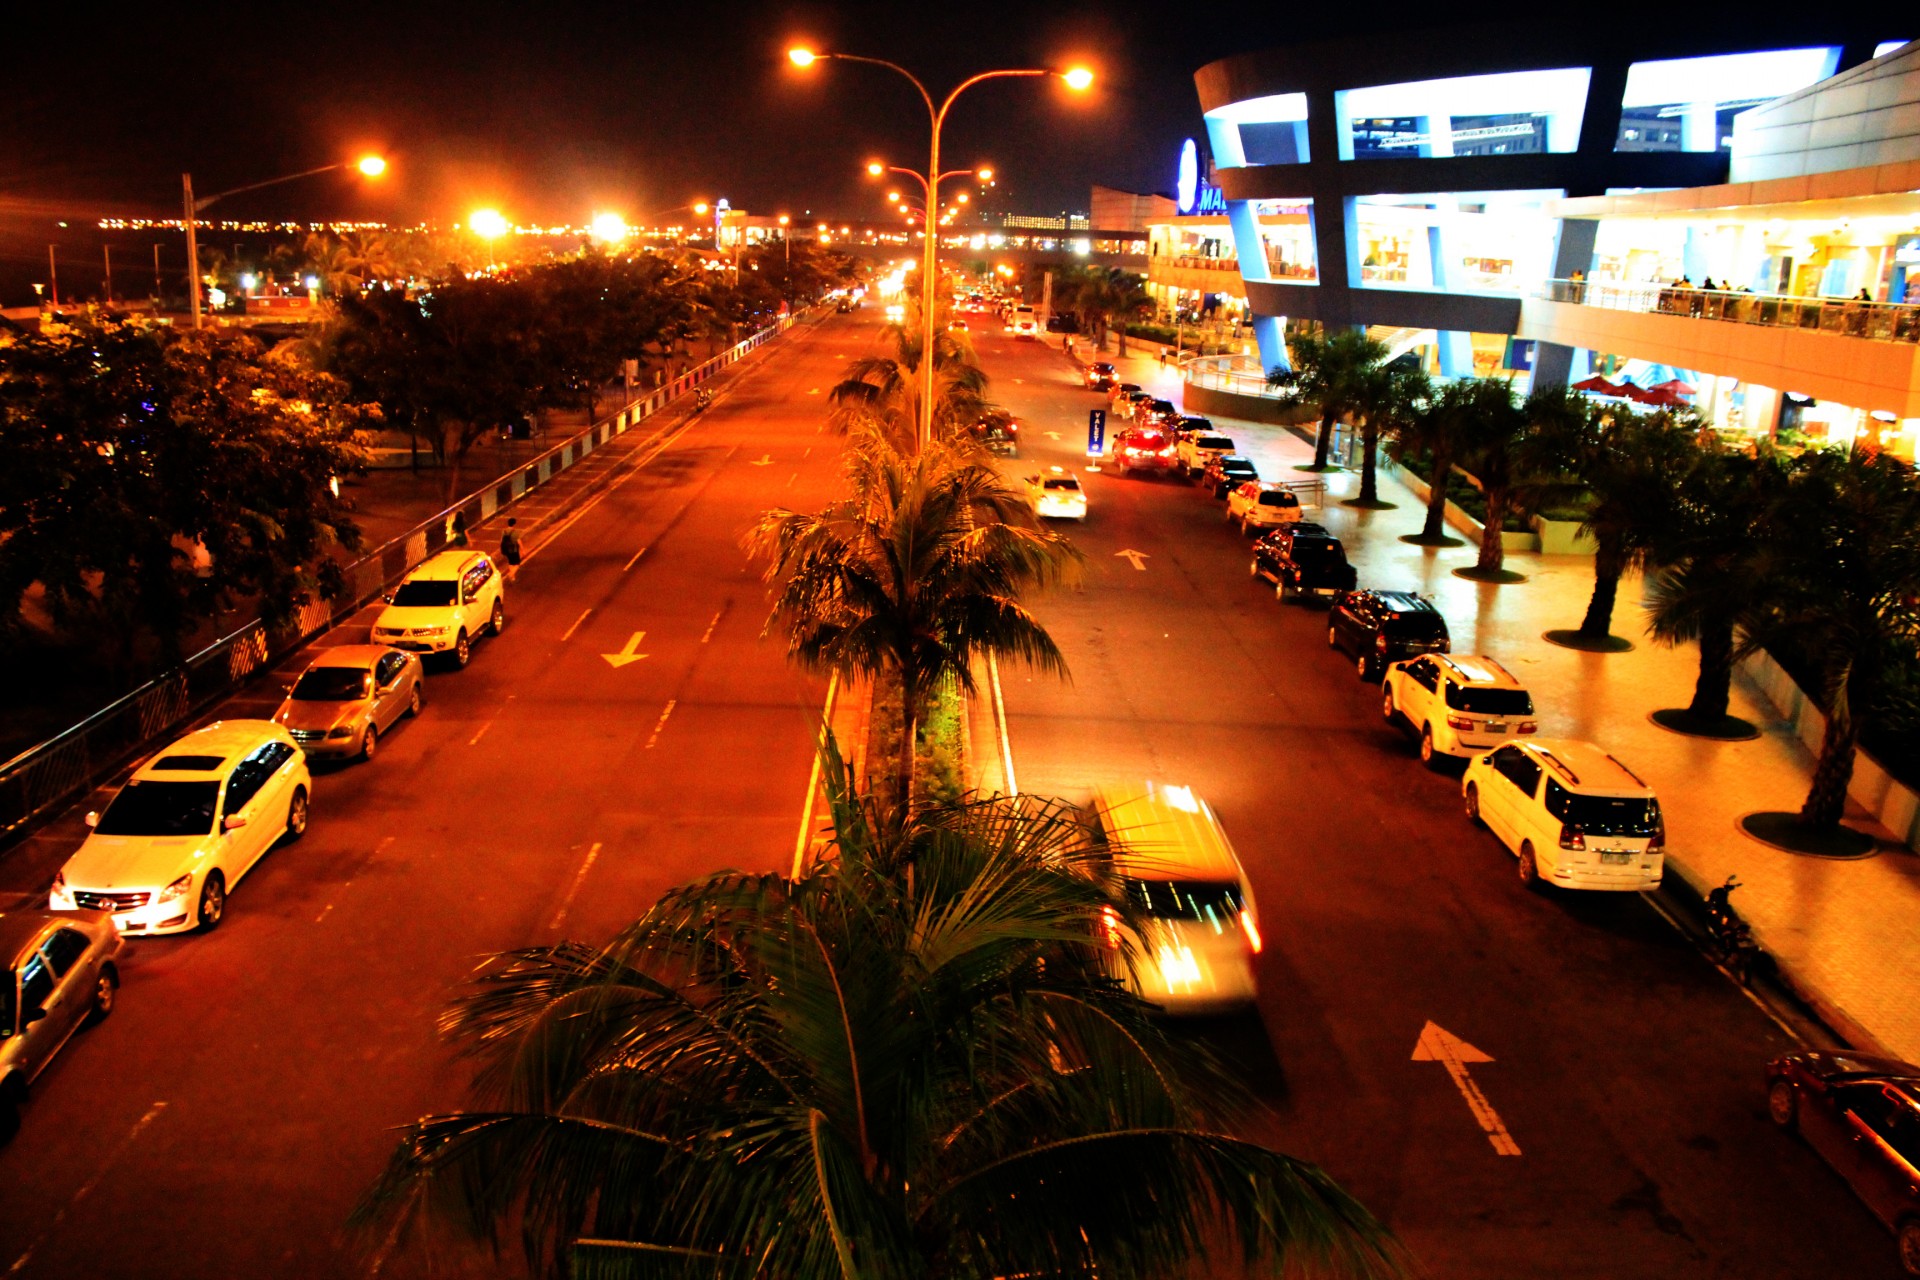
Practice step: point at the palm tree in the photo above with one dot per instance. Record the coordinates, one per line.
(910, 1060)
(1491, 431)
(912, 577)
(1435, 430)
(883, 392)
(1106, 297)
(1331, 372)
(1393, 394)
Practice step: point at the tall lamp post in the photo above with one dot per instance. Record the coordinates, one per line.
(371, 166)
(1076, 78)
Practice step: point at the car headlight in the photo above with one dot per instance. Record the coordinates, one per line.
(344, 731)
(178, 889)
(60, 884)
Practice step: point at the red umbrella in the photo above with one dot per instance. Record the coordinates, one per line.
(1660, 395)
(1599, 385)
(1674, 385)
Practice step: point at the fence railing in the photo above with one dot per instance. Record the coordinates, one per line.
(1238, 374)
(1852, 317)
(51, 774)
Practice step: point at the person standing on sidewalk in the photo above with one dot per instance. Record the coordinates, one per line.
(510, 549)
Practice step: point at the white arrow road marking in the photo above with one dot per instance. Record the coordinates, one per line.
(1138, 559)
(1436, 1044)
(628, 654)
(1053, 435)
(764, 460)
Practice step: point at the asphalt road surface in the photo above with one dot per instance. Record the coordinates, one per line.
(226, 1119)
(1624, 1068)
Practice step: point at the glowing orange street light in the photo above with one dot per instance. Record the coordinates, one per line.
(372, 166)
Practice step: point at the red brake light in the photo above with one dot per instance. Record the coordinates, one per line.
(1528, 726)
(1659, 842)
(1380, 642)
(1459, 722)
(1571, 838)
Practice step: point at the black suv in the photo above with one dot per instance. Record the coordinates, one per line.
(1302, 559)
(1100, 376)
(1378, 627)
(999, 431)
(1224, 471)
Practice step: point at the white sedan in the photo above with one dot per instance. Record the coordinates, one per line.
(189, 824)
(1056, 495)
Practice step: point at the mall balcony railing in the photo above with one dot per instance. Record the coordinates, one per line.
(1241, 375)
(1851, 317)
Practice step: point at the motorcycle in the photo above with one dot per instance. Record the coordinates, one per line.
(702, 399)
(1729, 938)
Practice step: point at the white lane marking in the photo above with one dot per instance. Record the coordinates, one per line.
(661, 723)
(113, 1158)
(474, 741)
(1138, 559)
(636, 560)
(1436, 1044)
(805, 837)
(708, 633)
(1052, 435)
(574, 888)
(805, 452)
(377, 851)
(792, 478)
(1000, 719)
(568, 633)
(626, 655)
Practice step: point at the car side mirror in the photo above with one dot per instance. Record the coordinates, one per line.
(233, 822)
(93, 817)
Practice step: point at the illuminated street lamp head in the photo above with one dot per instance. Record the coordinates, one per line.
(784, 219)
(961, 198)
(801, 57)
(985, 175)
(1077, 78)
(700, 207)
(372, 166)
(875, 168)
(488, 224)
(609, 228)
(893, 197)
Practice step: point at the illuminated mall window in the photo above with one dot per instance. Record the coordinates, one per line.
(1286, 239)
(1505, 113)
(1496, 243)
(1688, 104)
(1270, 130)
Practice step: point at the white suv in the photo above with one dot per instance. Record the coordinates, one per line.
(1196, 448)
(1573, 816)
(1254, 505)
(1459, 705)
(443, 605)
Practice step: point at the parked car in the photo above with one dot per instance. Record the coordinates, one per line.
(1861, 1112)
(350, 695)
(1134, 403)
(1302, 559)
(1197, 448)
(1253, 505)
(1159, 413)
(999, 432)
(1101, 376)
(1193, 425)
(1063, 322)
(1378, 627)
(188, 825)
(1144, 449)
(1118, 392)
(1460, 706)
(63, 973)
(443, 604)
(1181, 870)
(1055, 494)
(1573, 815)
(1222, 475)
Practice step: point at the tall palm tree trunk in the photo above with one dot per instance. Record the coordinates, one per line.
(1714, 686)
(1493, 552)
(1323, 446)
(1369, 484)
(909, 738)
(1827, 800)
(1434, 529)
(1598, 624)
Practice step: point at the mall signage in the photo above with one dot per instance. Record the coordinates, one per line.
(1192, 193)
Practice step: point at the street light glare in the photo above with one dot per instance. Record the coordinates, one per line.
(610, 228)
(488, 224)
(700, 207)
(985, 175)
(801, 57)
(1078, 78)
(372, 166)
(875, 168)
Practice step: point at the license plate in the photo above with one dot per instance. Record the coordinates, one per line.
(1616, 859)
(1495, 726)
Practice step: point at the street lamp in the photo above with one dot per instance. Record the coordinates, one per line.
(369, 166)
(489, 225)
(1076, 78)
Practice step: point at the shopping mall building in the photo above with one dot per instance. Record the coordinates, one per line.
(1557, 209)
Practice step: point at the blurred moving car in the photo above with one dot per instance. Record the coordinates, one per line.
(1181, 870)
(1302, 559)
(443, 604)
(1861, 1112)
(1253, 505)
(1221, 475)
(187, 826)
(1159, 413)
(1460, 706)
(999, 431)
(350, 695)
(1055, 494)
(957, 325)
(1572, 815)
(1144, 449)
(1100, 376)
(62, 974)
(1378, 627)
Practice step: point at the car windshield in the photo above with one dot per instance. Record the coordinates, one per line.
(331, 684)
(1063, 484)
(1425, 625)
(1490, 702)
(1213, 442)
(1635, 816)
(1278, 498)
(425, 595)
(161, 809)
(1186, 899)
(1238, 468)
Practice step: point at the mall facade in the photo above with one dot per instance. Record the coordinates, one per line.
(1732, 214)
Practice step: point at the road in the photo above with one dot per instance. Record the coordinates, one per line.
(1624, 1068)
(227, 1117)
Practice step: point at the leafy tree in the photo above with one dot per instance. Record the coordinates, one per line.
(594, 313)
(910, 1060)
(883, 392)
(1495, 448)
(1436, 430)
(1333, 372)
(1104, 298)
(913, 576)
(1393, 394)
(154, 477)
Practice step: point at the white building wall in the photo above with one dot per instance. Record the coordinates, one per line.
(1867, 116)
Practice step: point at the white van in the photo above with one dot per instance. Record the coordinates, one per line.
(1181, 870)
(1573, 816)
(1023, 324)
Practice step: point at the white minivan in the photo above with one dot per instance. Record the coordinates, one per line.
(1023, 324)
(1180, 870)
(1574, 816)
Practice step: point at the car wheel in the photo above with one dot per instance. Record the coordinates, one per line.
(1783, 1104)
(1428, 756)
(1473, 803)
(414, 700)
(498, 622)
(369, 741)
(1253, 568)
(213, 902)
(1280, 590)
(1907, 1236)
(1363, 667)
(1333, 638)
(1528, 868)
(1387, 709)
(105, 987)
(462, 649)
(297, 810)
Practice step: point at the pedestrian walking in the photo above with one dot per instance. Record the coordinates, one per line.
(1163, 358)
(457, 531)
(510, 549)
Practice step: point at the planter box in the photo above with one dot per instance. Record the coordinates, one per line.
(1562, 537)
(1510, 539)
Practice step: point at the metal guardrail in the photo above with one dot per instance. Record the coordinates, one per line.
(49, 775)
(1851, 317)
(1237, 374)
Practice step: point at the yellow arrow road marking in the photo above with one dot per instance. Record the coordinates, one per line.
(1437, 1044)
(628, 654)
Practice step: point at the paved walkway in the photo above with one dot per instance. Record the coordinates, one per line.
(1846, 933)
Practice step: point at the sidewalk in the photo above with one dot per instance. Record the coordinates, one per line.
(1844, 932)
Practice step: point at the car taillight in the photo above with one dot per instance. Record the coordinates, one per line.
(1571, 838)
(1252, 930)
(1110, 927)
(60, 883)
(1659, 842)
(1380, 642)
(1459, 722)
(1528, 726)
